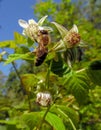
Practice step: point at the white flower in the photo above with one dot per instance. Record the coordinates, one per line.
(44, 98)
(31, 28)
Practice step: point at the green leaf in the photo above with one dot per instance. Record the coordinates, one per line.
(13, 57)
(10, 124)
(30, 42)
(22, 50)
(94, 72)
(9, 43)
(19, 39)
(40, 22)
(63, 31)
(59, 67)
(55, 121)
(78, 85)
(68, 114)
(27, 80)
(32, 119)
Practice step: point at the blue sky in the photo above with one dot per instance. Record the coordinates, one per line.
(10, 12)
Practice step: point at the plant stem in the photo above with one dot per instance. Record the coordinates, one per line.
(40, 125)
(47, 86)
(18, 75)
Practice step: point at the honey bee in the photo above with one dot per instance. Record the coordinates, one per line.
(41, 53)
(42, 50)
(43, 37)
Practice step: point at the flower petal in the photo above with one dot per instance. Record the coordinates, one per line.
(40, 22)
(41, 28)
(23, 23)
(32, 21)
(49, 29)
(74, 29)
(63, 31)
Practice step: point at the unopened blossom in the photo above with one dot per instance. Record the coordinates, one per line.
(72, 38)
(44, 98)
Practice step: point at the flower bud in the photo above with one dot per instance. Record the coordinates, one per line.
(72, 39)
(44, 98)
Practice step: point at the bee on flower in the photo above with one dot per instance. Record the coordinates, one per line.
(32, 28)
(38, 33)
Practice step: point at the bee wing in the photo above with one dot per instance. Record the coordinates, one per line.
(23, 23)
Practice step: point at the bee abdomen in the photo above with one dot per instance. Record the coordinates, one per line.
(40, 60)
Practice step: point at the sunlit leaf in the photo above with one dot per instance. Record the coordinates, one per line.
(68, 114)
(55, 121)
(19, 39)
(29, 42)
(9, 43)
(10, 124)
(32, 119)
(13, 57)
(29, 81)
(78, 85)
(22, 50)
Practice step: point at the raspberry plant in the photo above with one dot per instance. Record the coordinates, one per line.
(54, 93)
